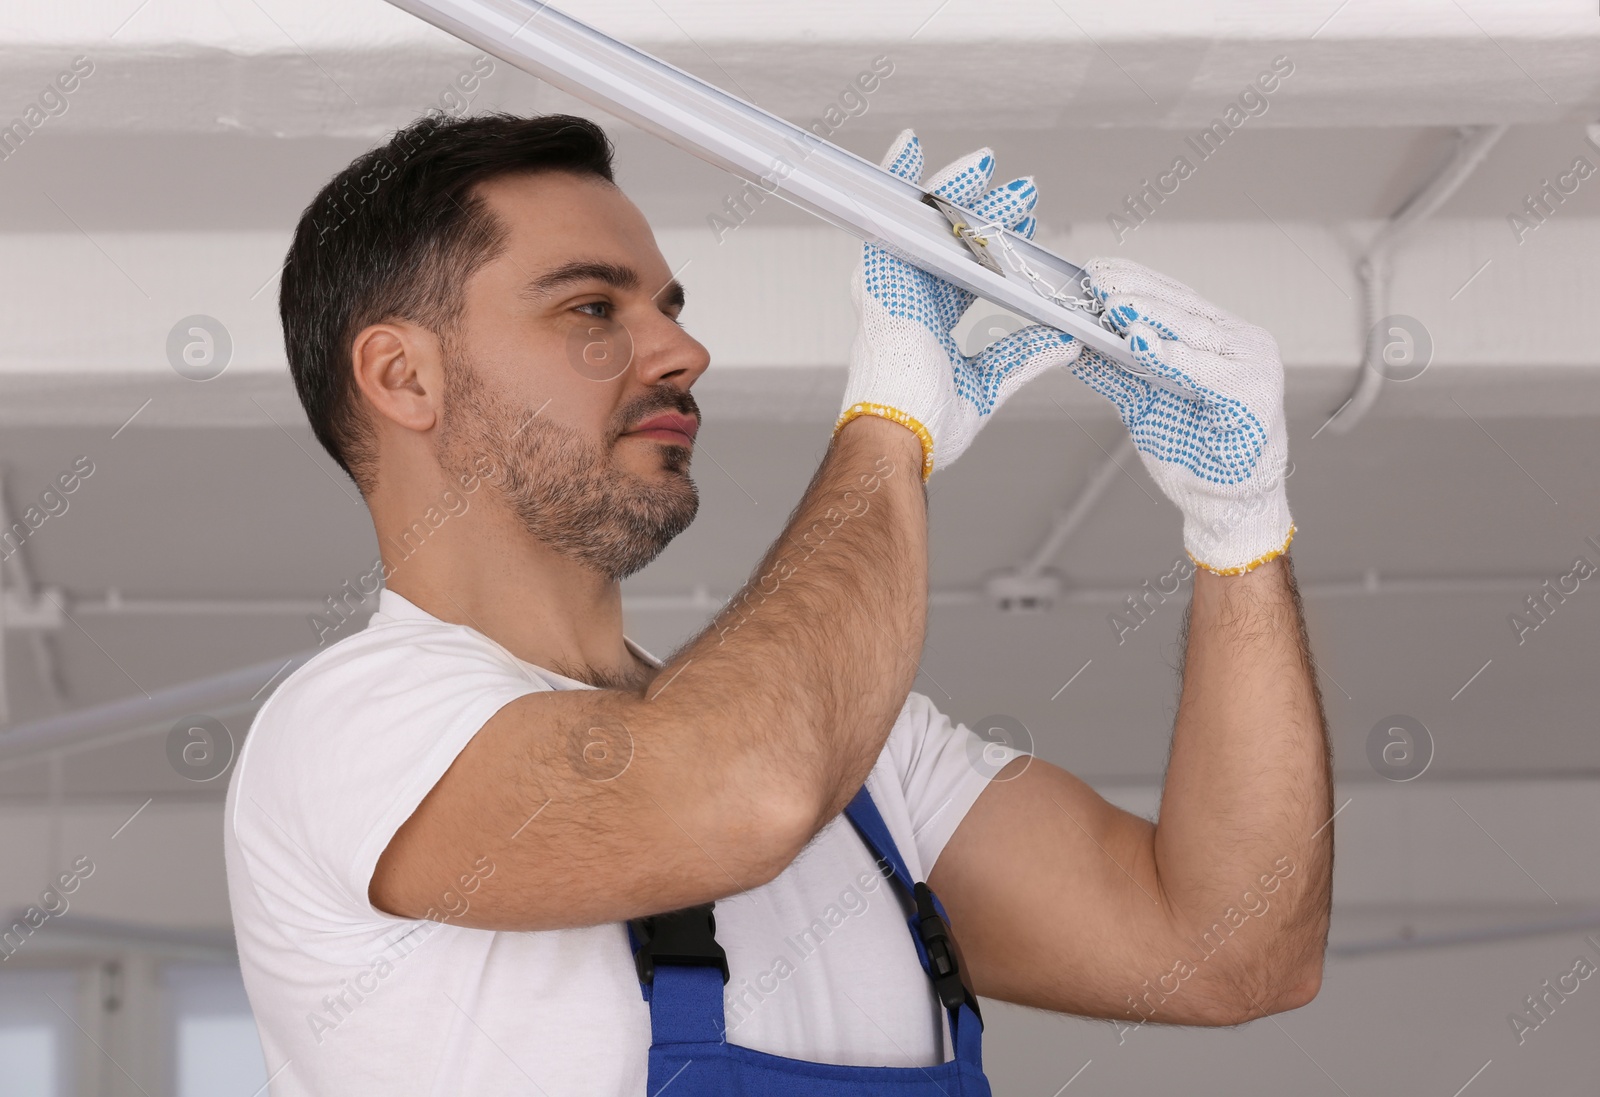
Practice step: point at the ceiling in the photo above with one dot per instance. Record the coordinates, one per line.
(183, 162)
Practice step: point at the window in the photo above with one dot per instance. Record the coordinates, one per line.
(216, 1051)
(37, 1034)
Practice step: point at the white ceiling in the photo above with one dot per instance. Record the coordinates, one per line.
(170, 185)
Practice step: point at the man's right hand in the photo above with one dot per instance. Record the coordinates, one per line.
(904, 364)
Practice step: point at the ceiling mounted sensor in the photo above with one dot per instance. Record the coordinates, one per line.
(1014, 592)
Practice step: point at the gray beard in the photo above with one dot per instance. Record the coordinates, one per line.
(566, 490)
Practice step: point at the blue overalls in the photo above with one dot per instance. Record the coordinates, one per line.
(682, 971)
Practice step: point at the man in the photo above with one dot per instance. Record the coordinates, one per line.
(440, 828)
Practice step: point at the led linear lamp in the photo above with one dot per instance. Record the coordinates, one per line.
(804, 169)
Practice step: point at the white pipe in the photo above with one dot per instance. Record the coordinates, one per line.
(1077, 511)
(1376, 266)
(238, 690)
(113, 604)
(20, 591)
(25, 617)
(86, 932)
(155, 712)
(1583, 919)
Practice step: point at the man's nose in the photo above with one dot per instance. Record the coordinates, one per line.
(666, 352)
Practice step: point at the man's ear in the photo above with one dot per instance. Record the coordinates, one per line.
(399, 369)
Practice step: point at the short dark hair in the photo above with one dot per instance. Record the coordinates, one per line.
(395, 235)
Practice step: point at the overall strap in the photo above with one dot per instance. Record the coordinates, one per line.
(864, 814)
(682, 969)
(930, 929)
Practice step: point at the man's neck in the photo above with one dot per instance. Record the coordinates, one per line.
(634, 677)
(487, 573)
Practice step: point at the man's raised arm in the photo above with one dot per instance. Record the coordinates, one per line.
(760, 731)
(1218, 912)
(712, 777)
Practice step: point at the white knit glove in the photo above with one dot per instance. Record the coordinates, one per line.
(1217, 447)
(904, 364)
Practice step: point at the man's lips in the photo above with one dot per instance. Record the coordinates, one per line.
(669, 426)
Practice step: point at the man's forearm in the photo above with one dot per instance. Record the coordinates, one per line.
(1248, 794)
(810, 663)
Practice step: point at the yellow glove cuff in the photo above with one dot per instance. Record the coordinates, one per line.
(884, 411)
(1253, 564)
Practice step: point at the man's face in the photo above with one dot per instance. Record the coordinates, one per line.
(567, 343)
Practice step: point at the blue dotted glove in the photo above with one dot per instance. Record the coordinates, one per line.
(1207, 418)
(904, 363)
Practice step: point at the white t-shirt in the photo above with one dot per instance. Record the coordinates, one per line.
(352, 1000)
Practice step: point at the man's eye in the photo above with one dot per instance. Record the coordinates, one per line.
(596, 305)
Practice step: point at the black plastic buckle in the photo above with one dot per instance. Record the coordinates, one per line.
(687, 937)
(946, 971)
